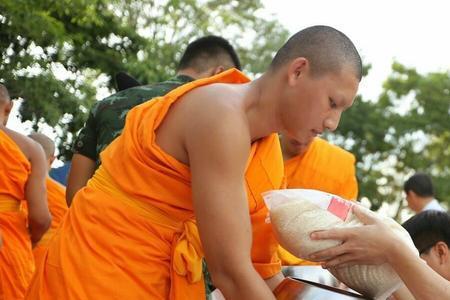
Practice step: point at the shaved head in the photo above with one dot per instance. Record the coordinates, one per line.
(4, 94)
(327, 50)
(5, 105)
(47, 144)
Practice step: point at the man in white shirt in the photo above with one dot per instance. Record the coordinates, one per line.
(420, 193)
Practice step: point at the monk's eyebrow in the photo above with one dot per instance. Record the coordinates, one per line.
(347, 106)
(343, 103)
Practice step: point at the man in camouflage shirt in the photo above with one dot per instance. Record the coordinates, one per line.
(204, 57)
(107, 117)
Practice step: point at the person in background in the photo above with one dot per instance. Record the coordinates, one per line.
(320, 165)
(420, 193)
(22, 178)
(203, 58)
(430, 232)
(55, 197)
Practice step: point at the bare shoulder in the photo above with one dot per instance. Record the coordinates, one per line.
(28, 146)
(217, 105)
(209, 114)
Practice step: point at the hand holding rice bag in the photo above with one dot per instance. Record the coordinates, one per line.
(296, 213)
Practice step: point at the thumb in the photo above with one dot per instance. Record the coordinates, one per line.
(366, 216)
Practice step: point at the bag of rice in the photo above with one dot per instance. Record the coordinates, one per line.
(296, 213)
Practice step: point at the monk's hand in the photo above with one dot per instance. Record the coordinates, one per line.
(362, 245)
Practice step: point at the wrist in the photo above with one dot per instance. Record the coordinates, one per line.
(397, 252)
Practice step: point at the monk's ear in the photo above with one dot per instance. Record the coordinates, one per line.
(217, 70)
(297, 68)
(51, 160)
(9, 107)
(443, 252)
(6, 108)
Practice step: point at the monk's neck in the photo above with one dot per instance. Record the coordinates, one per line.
(261, 108)
(288, 155)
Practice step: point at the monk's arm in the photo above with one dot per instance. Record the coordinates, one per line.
(218, 149)
(81, 170)
(39, 217)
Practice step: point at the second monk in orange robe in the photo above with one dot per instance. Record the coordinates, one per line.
(56, 198)
(22, 175)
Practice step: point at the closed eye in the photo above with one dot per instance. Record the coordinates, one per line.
(332, 103)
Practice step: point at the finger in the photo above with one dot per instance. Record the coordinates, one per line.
(366, 216)
(340, 261)
(328, 254)
(332, 234)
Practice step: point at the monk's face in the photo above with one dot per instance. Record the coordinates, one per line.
(312, 104)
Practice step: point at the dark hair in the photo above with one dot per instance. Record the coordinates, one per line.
(207, 48)
(326, 49)
(427, 228)
(421, 184)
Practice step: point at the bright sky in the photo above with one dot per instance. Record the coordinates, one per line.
(414, 32)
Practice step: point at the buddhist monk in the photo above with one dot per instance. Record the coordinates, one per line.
(55, 197)
(203, 57)
(22, 177)
(321, 166)
(185, 177)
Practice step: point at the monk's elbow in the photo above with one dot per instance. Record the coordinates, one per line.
(223, 281)
(47, 223)
(40, 224)
(228, 277)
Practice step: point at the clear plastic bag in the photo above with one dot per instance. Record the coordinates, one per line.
(296, 213)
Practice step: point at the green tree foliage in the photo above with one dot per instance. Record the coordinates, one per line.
(54, 52)
(406, 130)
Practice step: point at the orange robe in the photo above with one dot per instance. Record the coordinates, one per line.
(131, 233)
(16, 258)
(324, 167)
(58, 208)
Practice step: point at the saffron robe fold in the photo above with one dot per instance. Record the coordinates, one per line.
(323, 167)
(131, 233)
(16, 258)
(57, 205)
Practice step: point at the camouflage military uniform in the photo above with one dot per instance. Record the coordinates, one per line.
(107, 117)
